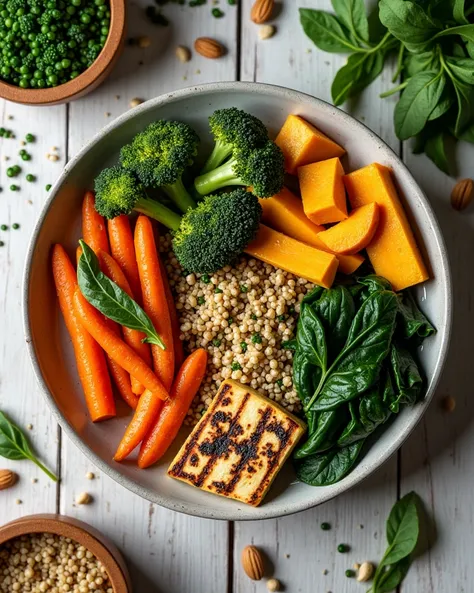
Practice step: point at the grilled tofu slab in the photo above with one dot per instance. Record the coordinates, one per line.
(238, 446)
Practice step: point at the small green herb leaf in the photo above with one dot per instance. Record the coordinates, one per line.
(402, 529)
(458, 12)
(329, 467)
(408, 22)
(466, 31)
(353, 16)
(359, 71)
(311, 337)
(326, 32)
(462, 68)
(414, 322)
(110, 299)
(435, 150)
(14, 445)
(465, 99)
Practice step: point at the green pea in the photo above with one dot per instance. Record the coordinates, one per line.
(15, 226)
(66, 63)
(48, 187)
(2, 243)
(30, 177)
(30, 138)
(343, 548)
(10, 172)
(85, 18)
(14, 187)
(4, 227)
(350, 574)
(26, 157)
(325, 526)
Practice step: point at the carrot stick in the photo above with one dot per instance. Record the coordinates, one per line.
(115, 347)
(94, 231)
(122, 382)
(147, 411)
(175, 326)
(90, 359)
(174, 410)
(154, 298)
(132, 337)
(123, 251)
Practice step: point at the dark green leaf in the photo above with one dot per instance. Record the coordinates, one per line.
(470, 48)
(458, 12)
(354, 431)
(393, 575)
(358, 365)
(359, 71)
(406, 378)
(326, 32)
(408, 22)
(377, 30)
(311, 337)
(326, 422)
(435, 150)
(446, 101)
(372, 283)
(417, 102)
(336, 311)
(14, 445)
(421, 62)
(304, 374)
(413, 321)
(462, 68)
(329, 467)
(110, 299)
(402, 529)
(314, 295)
(352, 14)
(465, 99)
(466, 31)
(468, 134)
(373, 411)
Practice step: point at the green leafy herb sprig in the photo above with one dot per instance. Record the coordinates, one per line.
(434, 41)
(14, 445)
(403, 530)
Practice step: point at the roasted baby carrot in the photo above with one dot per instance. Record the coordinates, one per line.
(147, 411)
(154, 299)
(94, 230)
(115, 347)
(175, 326)
(90, 359)
(174, 410)
(132, 337)
(122, 381)
(123, 251)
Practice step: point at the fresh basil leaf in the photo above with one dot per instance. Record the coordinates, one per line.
(303, 376)
(393, 575)
(465, 99)
(402, 529)
(314, 295)
(357, 367)
(110, 299)
(458, 12)
(407, 380)
(359, 71)
(413, 321)
(326, 32)
(326, 422)
(14, 445)
(462, 68)
(408, 22)
(373, 411)
(445, 103)
(466, 31)
(416, 103)
(352, 14)
(372, 283)
(336, 310)
(435, 150)
(421, 62)
(311, 337)
(329, 467)
(470, 48)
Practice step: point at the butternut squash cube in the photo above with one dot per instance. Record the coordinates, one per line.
(354, 233)
(393, 251)
(322, 190)
(302, 144)
(284, 213)
(293, 256)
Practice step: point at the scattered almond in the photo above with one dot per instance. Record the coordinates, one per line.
(135, 102)
(252, 562)
(262, 11)
(266, 31)
(209, 48)
(365, 572)
(461, 195)
(273, 585)
(53, 157)
(144, 41)
(183, 53)
(7, 478)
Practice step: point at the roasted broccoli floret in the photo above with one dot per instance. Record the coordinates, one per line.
(159, 155)
(262, 169)
(233, 129)
(217, 231)
(117, 191)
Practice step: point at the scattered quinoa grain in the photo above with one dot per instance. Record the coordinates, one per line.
(135, 102)
(34, 480)
(273, 585)
(90, 475)
(52, 157)
(18, 501)
(83, 498)
(29, 426)
(183, 53)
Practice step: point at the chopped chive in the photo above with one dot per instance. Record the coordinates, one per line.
(201, 300)
(253, 316)
(205, 278)
(217, 13)
(216, 343)
(48, 187)
(256, 339)
(235, 366)
(218, 290)
(243, 346)
(244, 288)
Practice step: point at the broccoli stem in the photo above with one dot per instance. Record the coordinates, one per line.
(220, 153)
(159, 212)
(180, 196)
(223, 176)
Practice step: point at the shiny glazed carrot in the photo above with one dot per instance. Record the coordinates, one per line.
(147, 411)
(174, 410)
(115, 347)
(90, 359)
(132, 337)
(175, 325)
(94, 230)
(123, 251)
(154, 298)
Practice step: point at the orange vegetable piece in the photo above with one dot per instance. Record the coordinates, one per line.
(322, 191)
(174, 319)
(393, 251)
(173, 412)
(123, 251)
(293, 256)
(302, 144)
(354, 233)
(90, 359)
(94, 230)
(284, 213)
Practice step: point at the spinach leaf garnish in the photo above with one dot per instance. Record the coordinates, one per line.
(328, 468)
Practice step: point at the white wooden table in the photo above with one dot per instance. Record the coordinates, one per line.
(173, 553)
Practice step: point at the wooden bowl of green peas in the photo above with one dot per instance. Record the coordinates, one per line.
(54, 51)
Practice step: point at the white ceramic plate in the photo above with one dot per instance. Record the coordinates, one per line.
(49, 346)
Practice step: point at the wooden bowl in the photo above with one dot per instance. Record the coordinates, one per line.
(102, 548)
(85, 82)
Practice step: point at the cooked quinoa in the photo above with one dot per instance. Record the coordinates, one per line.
(44, 562)
(243, 315)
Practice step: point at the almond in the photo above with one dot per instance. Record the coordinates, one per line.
(252, 562)
(262, 11)
(7, 478)
(209, 48)
(461, 195)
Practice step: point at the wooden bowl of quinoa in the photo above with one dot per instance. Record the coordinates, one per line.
(55, 553)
